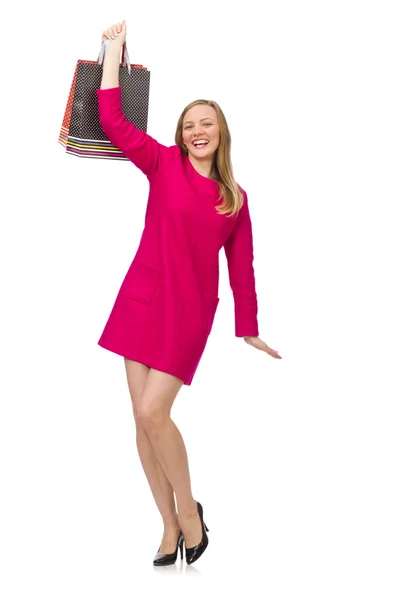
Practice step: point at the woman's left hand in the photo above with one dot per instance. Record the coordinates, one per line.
(256, 342)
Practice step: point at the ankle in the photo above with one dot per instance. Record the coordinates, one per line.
(187, 510)
(171, 522)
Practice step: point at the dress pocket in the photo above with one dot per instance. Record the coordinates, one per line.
(140, 281)
(210, 306)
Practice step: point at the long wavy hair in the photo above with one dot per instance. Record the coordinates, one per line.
(222, 170)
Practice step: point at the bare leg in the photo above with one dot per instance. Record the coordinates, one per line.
(154, 415)
(161, 488)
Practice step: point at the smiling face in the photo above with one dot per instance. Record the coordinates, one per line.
(200, 131)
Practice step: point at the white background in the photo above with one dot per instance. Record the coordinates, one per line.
(293, 460)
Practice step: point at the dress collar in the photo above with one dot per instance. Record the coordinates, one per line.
(205, 184)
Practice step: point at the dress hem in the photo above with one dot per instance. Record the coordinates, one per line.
(152, 364)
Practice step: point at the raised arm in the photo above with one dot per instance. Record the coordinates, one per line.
(239, 252)
(144, 151)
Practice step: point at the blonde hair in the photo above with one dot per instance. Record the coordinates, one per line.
(222, 170)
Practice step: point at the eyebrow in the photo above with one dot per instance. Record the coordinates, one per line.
(205, 118)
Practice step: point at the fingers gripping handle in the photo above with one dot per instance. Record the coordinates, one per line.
(126, 58)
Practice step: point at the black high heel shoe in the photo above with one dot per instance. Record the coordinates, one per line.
(192, 554)
(169, 559)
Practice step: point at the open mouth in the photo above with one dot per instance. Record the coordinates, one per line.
(200, 144)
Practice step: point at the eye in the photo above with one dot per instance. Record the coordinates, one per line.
(207, 124)
(187, 126)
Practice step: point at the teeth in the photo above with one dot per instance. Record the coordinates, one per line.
(200, 143)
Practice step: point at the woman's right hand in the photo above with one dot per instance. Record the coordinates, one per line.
(117, 33)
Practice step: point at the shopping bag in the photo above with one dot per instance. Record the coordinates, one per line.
(81, 132)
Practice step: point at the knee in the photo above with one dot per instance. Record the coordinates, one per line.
(150, 418)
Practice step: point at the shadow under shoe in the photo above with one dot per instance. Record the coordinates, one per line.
(169, 559)
(192, 554)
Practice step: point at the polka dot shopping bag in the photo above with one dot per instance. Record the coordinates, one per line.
(81, 132)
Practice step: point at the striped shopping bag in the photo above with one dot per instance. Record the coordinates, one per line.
(81, 132)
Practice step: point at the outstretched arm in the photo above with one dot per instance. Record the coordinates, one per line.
(239, 252)
(144, 151)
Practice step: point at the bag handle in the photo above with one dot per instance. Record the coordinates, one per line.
(125, 58)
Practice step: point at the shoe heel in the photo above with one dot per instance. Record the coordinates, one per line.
(194, 553)
(181, 548)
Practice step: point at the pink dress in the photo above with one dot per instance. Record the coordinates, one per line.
(166, 304)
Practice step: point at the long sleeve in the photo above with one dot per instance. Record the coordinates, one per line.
(138, 146)
(239, 252)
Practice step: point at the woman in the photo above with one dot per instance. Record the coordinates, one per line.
(163, 313)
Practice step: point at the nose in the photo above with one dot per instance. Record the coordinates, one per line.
(197, 130)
